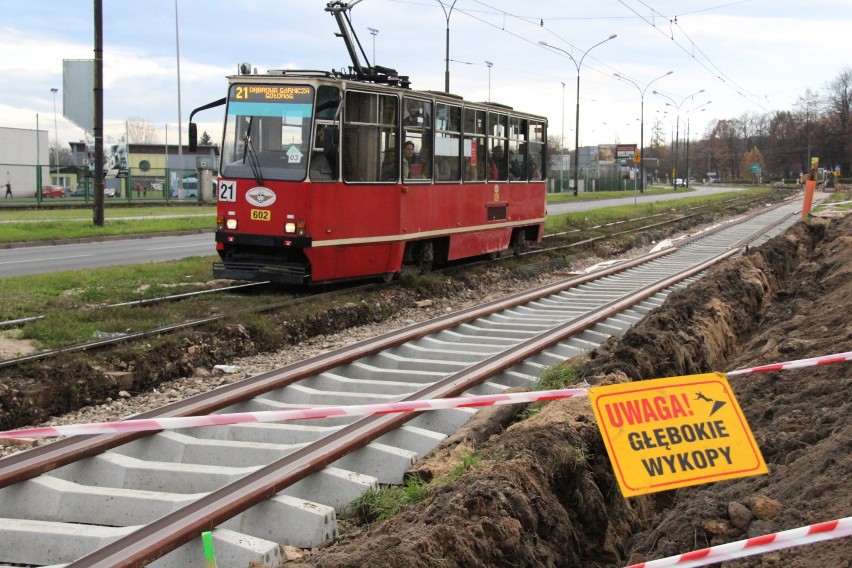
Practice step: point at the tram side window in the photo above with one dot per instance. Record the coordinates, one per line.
(417, 144)
(474, 156)
(537, 136)
(324, 153)
(370, 140)
(517, 149)
(497, 140)
(447, 142)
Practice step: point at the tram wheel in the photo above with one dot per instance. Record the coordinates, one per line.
(426, 257)
(519, 243)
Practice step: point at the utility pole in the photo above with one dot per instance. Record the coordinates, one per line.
(374, 32)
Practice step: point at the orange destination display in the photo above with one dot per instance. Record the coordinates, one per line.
(667, 433)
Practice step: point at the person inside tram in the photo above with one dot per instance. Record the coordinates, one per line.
(408, 159)
(516, 169)
(414, 114)
(321, 169)
(389, 165)
(497, 164)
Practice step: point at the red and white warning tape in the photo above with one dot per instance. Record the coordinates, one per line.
(149, 424)
(153, 424)
(757, 545)
(797, 364)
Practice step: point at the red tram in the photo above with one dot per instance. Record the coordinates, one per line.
(326, 176)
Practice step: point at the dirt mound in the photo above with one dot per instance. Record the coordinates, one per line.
(543, 492)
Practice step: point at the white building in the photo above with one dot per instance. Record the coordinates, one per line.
(22, 153)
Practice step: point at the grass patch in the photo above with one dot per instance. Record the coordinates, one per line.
(54, 228)
(384, 503)
(598, 195)
(556, 377)
(375, 506)
(585, 219)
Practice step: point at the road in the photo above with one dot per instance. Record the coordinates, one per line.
(694, 191)
(80, 256)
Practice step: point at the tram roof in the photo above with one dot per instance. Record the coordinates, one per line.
(313, 75)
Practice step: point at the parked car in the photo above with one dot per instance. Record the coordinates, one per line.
(679, 182)
(80, 192)
(52, 191)
(190, 189)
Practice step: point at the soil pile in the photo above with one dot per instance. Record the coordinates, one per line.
(543, 493)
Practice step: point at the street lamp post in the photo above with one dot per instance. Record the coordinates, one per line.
(699, 107)
(447, 14)
(489, 64)
(562, 144)
(577, 117)
(642, 124)
(374, 32)
(54, 90)
(677, 128)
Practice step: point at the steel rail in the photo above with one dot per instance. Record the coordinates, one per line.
(106, 342)
(185, 524)
(26, 465)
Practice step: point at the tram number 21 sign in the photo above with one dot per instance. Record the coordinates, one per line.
(667, 433)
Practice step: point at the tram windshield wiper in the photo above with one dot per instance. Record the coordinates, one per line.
(250, 153)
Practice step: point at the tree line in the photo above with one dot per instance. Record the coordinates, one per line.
(783, 141)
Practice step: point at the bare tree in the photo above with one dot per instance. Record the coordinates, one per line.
(839, 101)
(141, 131)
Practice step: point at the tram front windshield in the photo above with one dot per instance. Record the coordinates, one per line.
(267, 132)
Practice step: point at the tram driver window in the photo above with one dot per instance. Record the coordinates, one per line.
(323, 154)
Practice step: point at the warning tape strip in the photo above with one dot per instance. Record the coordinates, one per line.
(148, 424)
(797, 364)
(152, 424)
(757, 545)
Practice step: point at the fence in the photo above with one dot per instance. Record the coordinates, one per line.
(150, 185)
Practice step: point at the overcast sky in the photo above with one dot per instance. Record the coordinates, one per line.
(748, 56)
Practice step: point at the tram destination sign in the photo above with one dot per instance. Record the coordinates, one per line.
(663, 434)
(271, 93)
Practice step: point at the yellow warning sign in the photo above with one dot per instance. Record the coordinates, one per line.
(667, 433)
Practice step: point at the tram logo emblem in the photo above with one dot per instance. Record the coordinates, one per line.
(260, 196)
(496, 193)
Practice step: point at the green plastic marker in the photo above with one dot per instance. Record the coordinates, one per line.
(209, 553)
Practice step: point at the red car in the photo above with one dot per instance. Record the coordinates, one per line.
(52, 191)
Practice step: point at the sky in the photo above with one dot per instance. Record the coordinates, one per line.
(728, 58)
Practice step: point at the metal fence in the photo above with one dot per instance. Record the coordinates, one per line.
(40, 184)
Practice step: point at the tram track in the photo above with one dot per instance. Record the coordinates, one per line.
(610, 231)
(477, 351)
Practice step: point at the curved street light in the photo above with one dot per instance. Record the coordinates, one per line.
(577, 117)
(699, 108)
(447, 15)
(677, 106)
(642, 123)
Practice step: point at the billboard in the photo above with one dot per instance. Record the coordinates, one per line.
(78, 92)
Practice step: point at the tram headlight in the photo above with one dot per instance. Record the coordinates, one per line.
(295, 228)
(231, 224)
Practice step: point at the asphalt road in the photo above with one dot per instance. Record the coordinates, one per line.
(80, 256)
(693, 191)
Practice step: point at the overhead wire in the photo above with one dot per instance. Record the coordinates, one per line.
(715, 70)
(690, 49)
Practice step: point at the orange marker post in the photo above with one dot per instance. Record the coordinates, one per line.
(810, 187)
